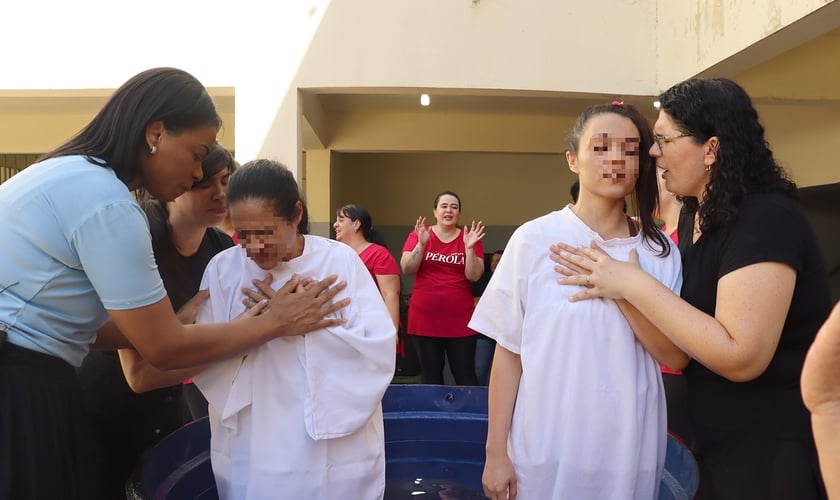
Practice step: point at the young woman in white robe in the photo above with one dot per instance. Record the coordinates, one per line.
(299, 417)
(576, 403)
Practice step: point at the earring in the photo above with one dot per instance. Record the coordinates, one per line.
(708, 168)
(153, 150)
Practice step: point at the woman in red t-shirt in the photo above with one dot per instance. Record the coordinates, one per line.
(354, 227)
(444, 259)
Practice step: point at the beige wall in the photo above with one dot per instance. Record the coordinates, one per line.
(604, 47)
(805, 140)
(452, 44)
(733, 35)
(418, 131)
(498, 189)
(37, 122)
(38, 133)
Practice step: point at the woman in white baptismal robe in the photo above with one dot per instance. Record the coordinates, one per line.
(576, 403)
(300, 416)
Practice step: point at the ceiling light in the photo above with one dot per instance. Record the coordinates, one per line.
(425, 99)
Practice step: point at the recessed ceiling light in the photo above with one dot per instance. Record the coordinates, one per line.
(425, 99)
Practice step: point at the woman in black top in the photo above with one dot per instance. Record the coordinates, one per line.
(754, 294)
(184, 240)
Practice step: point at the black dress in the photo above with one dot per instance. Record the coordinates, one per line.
(753, 439)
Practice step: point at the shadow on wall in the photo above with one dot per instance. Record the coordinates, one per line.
(822, 207)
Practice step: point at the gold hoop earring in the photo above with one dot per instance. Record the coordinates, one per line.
(708, 168)
(153, 150)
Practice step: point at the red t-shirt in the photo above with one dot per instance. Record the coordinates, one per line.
(441, 302)
(378, 260)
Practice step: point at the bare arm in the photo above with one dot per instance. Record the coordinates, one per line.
(821, 393)
(110, 338)
(499, 478)
(389, 287)
(738, 342)
(410, 261)
(142, 376)
(163, 341)
(652, 339)
(474, 265)
(658, 345)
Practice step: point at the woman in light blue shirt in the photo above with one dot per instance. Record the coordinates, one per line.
(78, 272)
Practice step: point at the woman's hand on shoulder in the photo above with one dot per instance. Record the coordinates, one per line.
(592, 268)
(302, 306)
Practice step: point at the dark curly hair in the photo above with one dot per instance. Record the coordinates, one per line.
(744, 163)
(645, 197)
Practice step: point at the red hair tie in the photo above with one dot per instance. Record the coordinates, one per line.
(618, 103)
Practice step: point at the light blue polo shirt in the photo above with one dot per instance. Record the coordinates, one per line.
(73, 243)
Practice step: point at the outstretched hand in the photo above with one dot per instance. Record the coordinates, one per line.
(592, 268)
(422, 231)
(299, 307)
(473, 234)
(189, 311)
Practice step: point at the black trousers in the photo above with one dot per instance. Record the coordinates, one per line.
(433, 352)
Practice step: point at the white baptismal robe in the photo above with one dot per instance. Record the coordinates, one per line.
(300, 417)
(589, 420)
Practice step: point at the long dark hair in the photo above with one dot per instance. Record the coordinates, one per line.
(271, 181)
(744, 163)
(116, 137)
(645, 196)
(361, 214)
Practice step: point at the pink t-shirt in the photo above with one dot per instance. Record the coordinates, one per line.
(441, 302)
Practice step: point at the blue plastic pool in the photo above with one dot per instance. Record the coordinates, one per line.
(434, 449)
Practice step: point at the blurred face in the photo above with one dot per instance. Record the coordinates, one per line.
(607, 161)
(266, 238)
(344, 227)
(448, 210)
(494, 261)
(682, 160)
(176, 164)
(204, 204)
